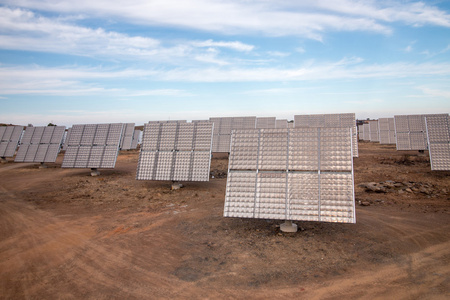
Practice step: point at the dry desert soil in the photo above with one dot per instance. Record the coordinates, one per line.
(67, 235)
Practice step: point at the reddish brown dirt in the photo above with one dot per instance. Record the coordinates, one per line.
(65, 234)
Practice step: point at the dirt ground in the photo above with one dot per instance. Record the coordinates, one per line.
(67, 235)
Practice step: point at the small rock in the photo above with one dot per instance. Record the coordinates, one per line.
(408, 190)
(364, 203)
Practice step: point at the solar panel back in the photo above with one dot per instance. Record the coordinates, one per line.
(386, 130)
(373, 127)
(361, 132)
(223, 128)
(136, 138)
(291, 174)
(40, 144)
(281, 123)
(127, 136)
(438, 133)
(175, 151)
(93, 146)
(366, 136)
(265, 122)
(9, 140)
(344, 120)
(410, 131)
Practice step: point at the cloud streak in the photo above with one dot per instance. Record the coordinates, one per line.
(81, 80)
(268, 17)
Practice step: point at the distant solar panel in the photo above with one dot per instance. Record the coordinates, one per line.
(291, 174)
(361, 132)
(40, 144)
(175, 151)
(223, 128)
(136, 138)
(386, 130)
(366, 135)
(9, 140)
(93, 146)
(438, 133)
(373, 128)
(281, 124)
(410, 131)
(127, 136)
(344, 120)
(168, 121)
(266, 122)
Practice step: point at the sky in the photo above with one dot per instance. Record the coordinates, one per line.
(78, 62)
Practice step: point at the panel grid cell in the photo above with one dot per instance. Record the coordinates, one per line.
(311, 179)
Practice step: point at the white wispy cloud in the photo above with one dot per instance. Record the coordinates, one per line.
(24, 30)
(310, 19)
(435, 92)
(432, 54)
(82, 80)
(234, 45)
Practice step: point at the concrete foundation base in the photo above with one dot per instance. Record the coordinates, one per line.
(288, 226)
(3, 160)
(42, 166)
(95, 172)
(176, 186)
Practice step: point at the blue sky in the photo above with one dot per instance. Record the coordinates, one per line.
(84, 61)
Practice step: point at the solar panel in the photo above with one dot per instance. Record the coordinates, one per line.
(66, 139)
(343, 120)
(438, 133)
(175, 151)
(40, 144)
(386, 130)
(361, 132)
(366, 136)
(9, 140)
(281, 123)
(127, 136)
(223, 128)
(410, 131)
(93, 146)
(303, 174)
(136, 138)
(167, 121)
(265, 122)
(373, 129)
